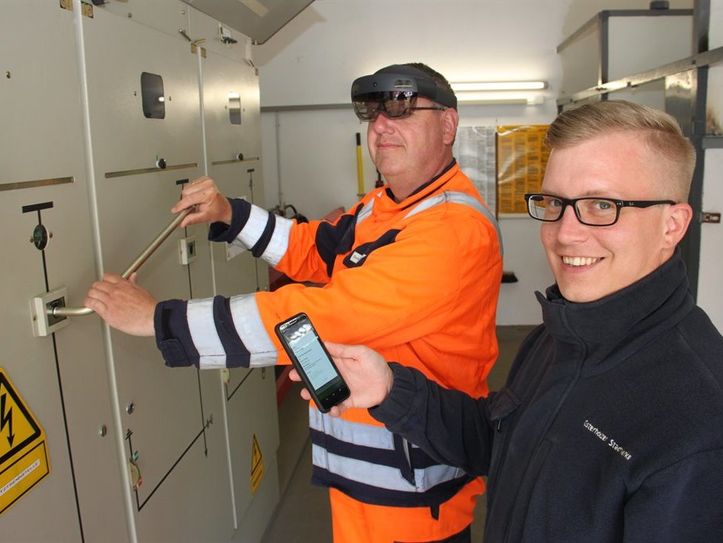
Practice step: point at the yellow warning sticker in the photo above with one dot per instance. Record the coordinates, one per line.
(257, 465)
(23, 454)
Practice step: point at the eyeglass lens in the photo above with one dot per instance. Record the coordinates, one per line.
(594, 211)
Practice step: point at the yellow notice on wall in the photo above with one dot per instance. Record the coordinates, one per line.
(23, 454)
(257, 465)
(521, 161)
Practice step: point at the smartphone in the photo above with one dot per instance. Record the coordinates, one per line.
(313, 362)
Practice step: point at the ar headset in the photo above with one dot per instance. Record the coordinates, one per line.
(393, 91)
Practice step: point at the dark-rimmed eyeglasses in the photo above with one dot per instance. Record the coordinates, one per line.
(591, 211)
(394, 104)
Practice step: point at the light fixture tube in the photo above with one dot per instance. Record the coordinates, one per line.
(498, 86)
(501, 97)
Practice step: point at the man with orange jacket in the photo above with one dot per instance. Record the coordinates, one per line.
(418, 265)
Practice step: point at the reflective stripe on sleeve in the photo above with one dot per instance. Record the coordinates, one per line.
(279, 243)
(250, 329)
(254, 229)
(203, 332)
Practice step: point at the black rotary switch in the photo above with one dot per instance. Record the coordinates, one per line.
(40, 237)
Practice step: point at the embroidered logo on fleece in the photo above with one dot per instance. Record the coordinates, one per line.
(607, 439)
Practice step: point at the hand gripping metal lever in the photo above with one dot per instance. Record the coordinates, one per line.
(137, 263)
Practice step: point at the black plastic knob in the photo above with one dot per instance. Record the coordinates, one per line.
(40, 237)
(161, 163)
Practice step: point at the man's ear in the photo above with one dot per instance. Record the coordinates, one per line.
(676, 223)
(450, 120)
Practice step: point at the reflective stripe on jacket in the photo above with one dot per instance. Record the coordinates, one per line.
(375, 466)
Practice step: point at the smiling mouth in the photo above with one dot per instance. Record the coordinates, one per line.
(580, 260)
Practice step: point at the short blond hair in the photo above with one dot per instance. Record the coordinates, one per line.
(660, 131)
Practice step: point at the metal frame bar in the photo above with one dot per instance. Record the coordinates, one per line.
(604, 44)
(712, 142)
(235, 160)
(36, 183)
(620, 13)
(699, 60)
(140, 171)
(690, 247)
(306, 107)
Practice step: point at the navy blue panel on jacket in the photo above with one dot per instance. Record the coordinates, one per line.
(172, 335)
(610, 427)
(360, 254)
(336, 239)
(219, 231)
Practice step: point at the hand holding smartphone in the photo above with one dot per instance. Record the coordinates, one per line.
(313, 362)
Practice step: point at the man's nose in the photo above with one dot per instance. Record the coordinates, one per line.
(382, 123)
(569, 228)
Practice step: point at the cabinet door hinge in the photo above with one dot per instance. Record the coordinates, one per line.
(87, 9)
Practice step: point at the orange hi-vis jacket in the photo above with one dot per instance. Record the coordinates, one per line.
(416, 280)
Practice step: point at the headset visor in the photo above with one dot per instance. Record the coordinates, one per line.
(395, 94)
(394, 104)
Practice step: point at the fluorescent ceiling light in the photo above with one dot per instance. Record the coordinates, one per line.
(499, 97)
(498, 86)
(493, 101)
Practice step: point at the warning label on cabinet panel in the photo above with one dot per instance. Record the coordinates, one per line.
(23, 454)
(257, 465)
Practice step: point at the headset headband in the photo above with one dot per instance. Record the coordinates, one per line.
(401, 78)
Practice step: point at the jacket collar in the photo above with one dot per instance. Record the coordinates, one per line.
(624, 319)
(422, 192)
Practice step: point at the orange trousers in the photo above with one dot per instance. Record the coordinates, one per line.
(357, 522)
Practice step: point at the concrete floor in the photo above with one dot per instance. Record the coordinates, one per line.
(302, 515)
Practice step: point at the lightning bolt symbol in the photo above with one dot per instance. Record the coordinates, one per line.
(6, 419)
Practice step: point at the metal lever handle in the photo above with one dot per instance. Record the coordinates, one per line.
(137, 263)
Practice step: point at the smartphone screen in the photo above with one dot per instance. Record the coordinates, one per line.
(312, 361)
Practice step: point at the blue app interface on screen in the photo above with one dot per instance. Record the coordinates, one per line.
(307, 347)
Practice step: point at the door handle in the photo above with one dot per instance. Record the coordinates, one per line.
(60, 311)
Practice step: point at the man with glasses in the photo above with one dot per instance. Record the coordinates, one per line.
(413, 270)
(610, 425)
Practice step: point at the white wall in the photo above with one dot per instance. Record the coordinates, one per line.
(316, 56)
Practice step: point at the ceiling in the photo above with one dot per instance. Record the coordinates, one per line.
(257, 19)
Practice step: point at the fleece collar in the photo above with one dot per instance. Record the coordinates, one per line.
(624, 320)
